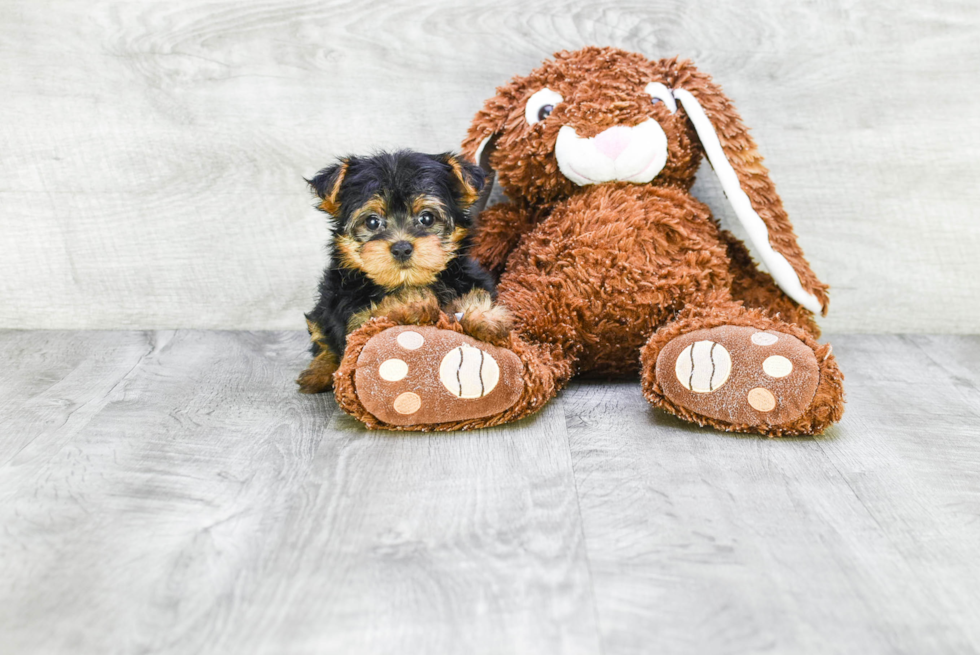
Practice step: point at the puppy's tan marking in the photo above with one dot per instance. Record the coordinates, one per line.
(315, 335)
(457, 236)
(470, 194)
(406, 306)
(482, 319)
(374, 259)
(318, 376)
(360, 318)
(376, 205)
(349, 250)
(430, 257)
(423, 202)
(330, 204)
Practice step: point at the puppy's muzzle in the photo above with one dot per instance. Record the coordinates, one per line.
(401, 251)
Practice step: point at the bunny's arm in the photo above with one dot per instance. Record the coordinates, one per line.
(499, 229)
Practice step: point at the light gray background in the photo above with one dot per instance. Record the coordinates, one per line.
(152, 154)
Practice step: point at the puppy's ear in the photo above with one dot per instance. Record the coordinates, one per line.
(735, 158)
(326, 184)
(468, 178)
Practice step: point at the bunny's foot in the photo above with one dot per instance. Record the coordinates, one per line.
(744, 378)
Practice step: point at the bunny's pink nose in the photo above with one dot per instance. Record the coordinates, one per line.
(613, 141)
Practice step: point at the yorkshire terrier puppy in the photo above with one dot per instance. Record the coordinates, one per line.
(399, 249)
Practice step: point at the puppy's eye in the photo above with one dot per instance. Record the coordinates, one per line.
(540, 105)
(426, 219)
(373, 222)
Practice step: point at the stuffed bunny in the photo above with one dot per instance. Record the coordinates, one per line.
(611, 267)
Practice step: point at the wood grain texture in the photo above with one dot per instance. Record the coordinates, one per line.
(861, 541)
(153, 153)
(172, 492)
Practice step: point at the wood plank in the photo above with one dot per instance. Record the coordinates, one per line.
(53, 383)
(103, 531)
(170, 492)
(153, 152)
(860, 541)
(206, 506)
(466, 542)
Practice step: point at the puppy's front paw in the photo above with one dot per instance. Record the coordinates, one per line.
(483, 320)
(318, 376)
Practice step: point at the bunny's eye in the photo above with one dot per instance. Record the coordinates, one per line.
(660, 93)
(540, 105)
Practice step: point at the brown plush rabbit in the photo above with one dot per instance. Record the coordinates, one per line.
(611, 267)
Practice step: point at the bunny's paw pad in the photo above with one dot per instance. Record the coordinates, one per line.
(419, 375)
(739, 375)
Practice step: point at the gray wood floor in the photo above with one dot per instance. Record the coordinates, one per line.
(170, 492)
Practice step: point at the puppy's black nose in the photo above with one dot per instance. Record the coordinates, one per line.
(401, 250)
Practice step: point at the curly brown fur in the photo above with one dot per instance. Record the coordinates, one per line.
(610, 264)
(541, 374)
(826, 408)
(604, 87)
(577, 281)
(600, 277)
(501, 228)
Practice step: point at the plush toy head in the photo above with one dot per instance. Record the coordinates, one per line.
(583, 118)
(602, 115)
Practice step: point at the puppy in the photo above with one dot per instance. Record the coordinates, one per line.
(399, 248)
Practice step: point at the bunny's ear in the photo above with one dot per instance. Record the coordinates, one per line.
(482, 157)
(488, 125)
(479, 149)
(736, 160)
(481, 138)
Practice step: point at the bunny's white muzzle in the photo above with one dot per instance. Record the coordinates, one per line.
(626, 154)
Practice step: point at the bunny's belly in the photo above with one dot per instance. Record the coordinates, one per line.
(611, 265)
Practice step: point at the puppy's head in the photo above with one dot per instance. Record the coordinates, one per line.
(401, 217)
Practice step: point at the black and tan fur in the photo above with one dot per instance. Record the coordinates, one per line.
(400, 247)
